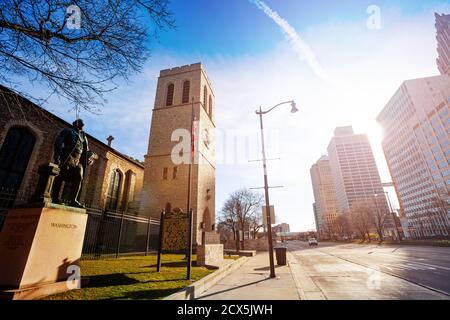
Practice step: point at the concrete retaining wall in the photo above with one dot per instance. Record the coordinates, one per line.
(250, 244)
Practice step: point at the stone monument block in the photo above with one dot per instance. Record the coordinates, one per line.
(40, 250)
(209, 254)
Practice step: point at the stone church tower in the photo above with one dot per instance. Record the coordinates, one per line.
(182, 93)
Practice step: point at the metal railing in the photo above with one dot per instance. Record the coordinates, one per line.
(108, 233)
(113, 233)
(7, 199)
(3, 213)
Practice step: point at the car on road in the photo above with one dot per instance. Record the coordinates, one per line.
(313, 242)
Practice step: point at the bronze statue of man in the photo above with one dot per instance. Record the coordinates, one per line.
(72, 155)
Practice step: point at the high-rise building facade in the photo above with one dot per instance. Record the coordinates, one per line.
(354, 170)
(416, 143)
(183, 94)
(443, 40)
(324, 196)
(281, 228)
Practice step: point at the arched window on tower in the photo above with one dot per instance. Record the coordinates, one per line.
(115, 181)
(205, 98)
(186, 91)
(170, 91)
(210, 107)
(15, 154)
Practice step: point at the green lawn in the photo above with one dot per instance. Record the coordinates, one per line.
(133, 278)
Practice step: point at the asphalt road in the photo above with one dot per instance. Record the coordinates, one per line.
(352, 271)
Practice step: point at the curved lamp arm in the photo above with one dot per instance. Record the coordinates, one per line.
(292, 102)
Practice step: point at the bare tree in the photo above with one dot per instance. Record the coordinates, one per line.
(241, 207)
(360, 216)
(225, 231)
(77, 48)
(229, 222)
(340, 225)
(380, 217)
(255, 223)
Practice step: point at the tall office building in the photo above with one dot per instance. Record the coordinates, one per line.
(416, 143)
(325, 197)
(443, 40)
(354, 170)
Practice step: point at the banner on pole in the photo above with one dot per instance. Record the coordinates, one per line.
(272, 215)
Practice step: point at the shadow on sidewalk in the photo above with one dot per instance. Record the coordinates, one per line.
(231, 289)
(268, 268)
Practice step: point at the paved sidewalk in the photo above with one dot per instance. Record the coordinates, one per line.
(252, 282)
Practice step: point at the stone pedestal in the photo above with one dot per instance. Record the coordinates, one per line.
(209, 254)
(40, 248)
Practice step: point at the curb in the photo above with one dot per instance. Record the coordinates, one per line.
(194, 290)
(307, 289)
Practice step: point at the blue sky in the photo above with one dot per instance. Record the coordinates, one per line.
(251, 62)
(216, 27)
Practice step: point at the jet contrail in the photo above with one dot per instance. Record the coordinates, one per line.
(300, 47)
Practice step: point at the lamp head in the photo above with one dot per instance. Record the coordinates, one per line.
(294, 107)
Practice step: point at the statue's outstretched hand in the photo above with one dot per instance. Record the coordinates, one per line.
(92, 156)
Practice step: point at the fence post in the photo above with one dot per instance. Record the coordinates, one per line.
(161, 242)
(98, 237)
(148, 237)
(120, 234)
(189, 249)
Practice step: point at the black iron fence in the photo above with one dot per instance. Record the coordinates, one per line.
(112, 233)
(3, 213)
(108, 233)
(7, 199)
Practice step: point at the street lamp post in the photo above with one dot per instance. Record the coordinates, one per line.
(266, 183)
(397, 236)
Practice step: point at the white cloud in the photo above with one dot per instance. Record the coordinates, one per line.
(302, 49)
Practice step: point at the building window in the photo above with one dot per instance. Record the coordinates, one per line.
(114, 190)
(186, 90)
(175, 172)
(205, 98)
(14, 156)
(170, 91)
(210, 106)
(165, 172)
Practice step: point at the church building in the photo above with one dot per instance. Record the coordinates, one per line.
(182, 128)
(27, 137)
